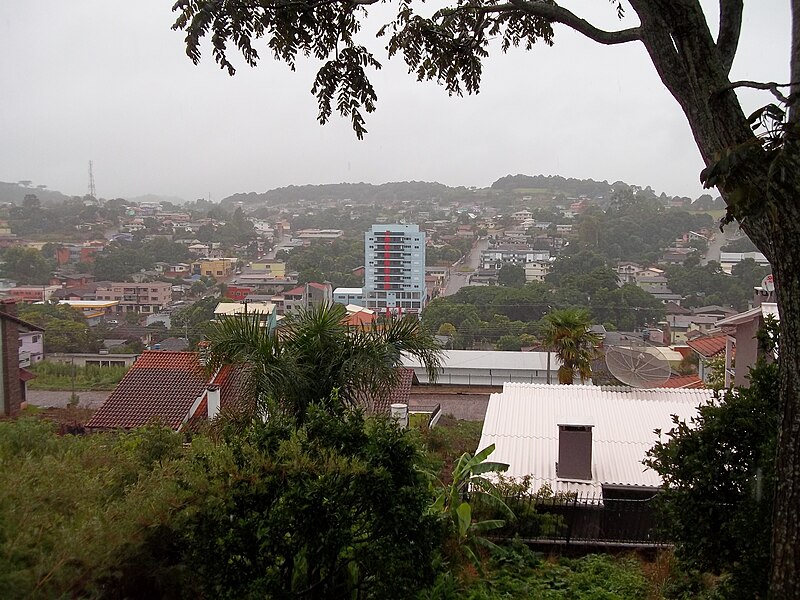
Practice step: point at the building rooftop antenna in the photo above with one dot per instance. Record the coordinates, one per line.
(92, 190)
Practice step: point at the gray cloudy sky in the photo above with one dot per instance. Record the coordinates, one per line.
(107, 80)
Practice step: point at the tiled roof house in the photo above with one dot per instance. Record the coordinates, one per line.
(170, 388)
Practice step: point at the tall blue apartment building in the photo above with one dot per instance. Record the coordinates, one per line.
(394, 269)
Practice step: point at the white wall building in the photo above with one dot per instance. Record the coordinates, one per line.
(347, 295)
(394, 268)
(490, 367)
(727, 260)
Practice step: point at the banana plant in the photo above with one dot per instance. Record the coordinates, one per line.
(469, 483)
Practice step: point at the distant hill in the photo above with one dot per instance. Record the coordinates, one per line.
(14, 192)
(555, 184)
(356, 192)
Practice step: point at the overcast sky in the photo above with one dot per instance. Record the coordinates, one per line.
(108, 81)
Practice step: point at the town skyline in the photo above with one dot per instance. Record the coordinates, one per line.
(113, 86)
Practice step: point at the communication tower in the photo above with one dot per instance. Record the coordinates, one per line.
(92, 190)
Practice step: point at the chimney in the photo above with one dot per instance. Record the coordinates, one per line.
(213, 400)
(400, 415)
(574, 449)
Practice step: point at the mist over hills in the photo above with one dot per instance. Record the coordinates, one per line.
(360, 193)
(550, 185)
(14, 192)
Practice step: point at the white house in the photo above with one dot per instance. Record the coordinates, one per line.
(584, 439)
(31, 347)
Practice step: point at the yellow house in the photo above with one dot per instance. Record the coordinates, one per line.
(276, 268)
(217, 268)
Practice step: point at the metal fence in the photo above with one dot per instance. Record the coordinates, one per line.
(572, 519)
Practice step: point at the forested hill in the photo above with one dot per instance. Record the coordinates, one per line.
(555, 184)
(14, 192)
(356, 192)
(359, 193)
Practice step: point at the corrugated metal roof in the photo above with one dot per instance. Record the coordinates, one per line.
(492, 359)
(522, 421)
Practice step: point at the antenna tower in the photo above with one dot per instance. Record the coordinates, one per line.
(92, 190)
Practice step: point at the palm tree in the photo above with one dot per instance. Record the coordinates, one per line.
(313, 357)
(567, 333)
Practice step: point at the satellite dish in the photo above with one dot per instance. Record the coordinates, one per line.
(638, 366)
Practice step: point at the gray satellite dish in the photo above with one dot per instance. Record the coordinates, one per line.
(638, 365)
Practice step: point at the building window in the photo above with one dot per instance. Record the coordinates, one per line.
(35, 339)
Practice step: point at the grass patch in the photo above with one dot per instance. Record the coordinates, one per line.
(60, 376)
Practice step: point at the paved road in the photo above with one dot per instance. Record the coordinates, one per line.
(458, 279)
(60, 399)
(719, 240)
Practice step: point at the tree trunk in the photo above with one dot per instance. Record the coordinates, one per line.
(785, 558)
(676, 36)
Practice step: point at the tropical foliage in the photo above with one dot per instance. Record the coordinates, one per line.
(313, 353)
(468, 481)
(567, 334)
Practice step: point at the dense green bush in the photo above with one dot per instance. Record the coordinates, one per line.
(334, 506)
(719, 482)
(517, 573)
(87, 516)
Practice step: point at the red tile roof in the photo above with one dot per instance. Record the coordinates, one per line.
(399, 394)
(708, 346)
(160, 386)
(232, 381)
(687, 382)
(360, 319)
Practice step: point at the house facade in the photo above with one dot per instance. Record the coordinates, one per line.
(147, 297)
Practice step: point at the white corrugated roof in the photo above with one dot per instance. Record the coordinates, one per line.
(491, 359)
(522, 421)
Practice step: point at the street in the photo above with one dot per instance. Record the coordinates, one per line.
(458, 279)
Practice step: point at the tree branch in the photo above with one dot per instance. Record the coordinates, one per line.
(770, 86)
(557, 14)
(730, 27)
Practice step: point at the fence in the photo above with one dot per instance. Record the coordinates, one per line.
(572, 519)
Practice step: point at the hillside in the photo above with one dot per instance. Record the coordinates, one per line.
(14, 192)
(355, 192)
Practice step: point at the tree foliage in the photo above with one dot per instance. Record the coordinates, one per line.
(333, 508)
(27, 266)
(332, 262)
(65, 328)
(511, 275)
(719, 480)
(314, 353)
(567, 334)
